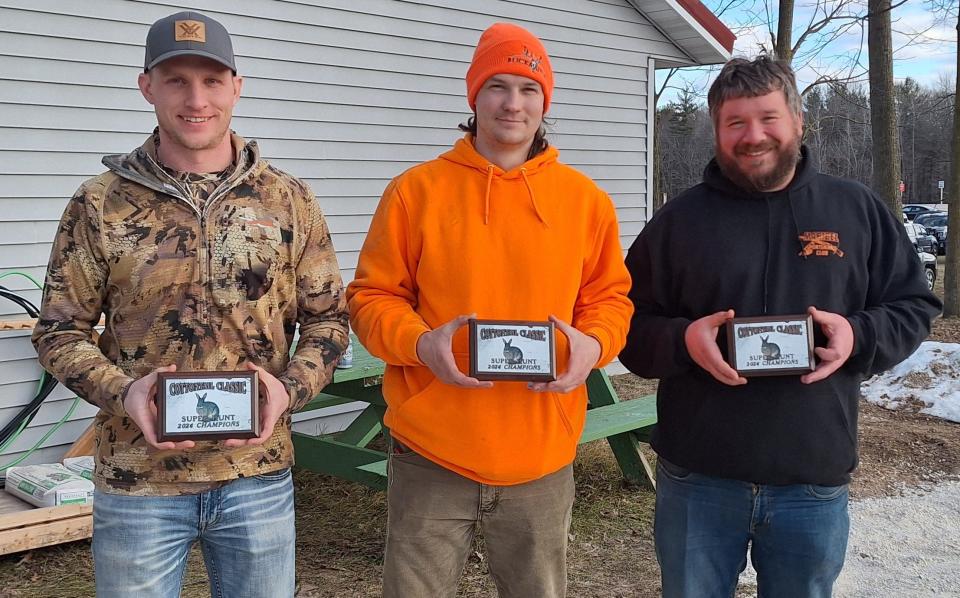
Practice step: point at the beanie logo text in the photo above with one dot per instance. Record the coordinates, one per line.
(820, 243)
(190, 31)
(528, 58)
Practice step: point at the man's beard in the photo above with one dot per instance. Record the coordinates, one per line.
(788, 155)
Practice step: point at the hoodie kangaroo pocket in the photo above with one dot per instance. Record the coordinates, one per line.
(563, 414)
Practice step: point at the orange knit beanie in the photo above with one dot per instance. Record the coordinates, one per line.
(511, 49)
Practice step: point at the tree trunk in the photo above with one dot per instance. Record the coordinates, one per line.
(784, 42)
(883, 119)
(951, 275)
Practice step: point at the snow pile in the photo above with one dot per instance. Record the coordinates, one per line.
(928, 379)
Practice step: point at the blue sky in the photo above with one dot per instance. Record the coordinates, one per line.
(924, 48)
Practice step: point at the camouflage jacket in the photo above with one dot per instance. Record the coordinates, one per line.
(206, 290)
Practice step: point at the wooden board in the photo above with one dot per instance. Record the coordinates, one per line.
(11, 504)
(17, 324)
(25, 527)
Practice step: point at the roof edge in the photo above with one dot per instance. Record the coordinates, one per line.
(709, 22)
(681, 20)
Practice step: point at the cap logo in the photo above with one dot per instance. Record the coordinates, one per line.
(528, 58)
(190, 31)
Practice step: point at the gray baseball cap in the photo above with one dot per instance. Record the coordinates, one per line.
(188, 33)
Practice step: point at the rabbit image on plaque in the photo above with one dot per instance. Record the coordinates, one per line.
(207, 410)
(512, 354)
(770, 351)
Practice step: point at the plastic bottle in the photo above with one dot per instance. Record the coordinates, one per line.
(346, 359)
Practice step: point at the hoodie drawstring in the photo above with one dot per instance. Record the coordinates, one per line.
(526, 181)
(796, 224)
(486, 195)
(533, 198)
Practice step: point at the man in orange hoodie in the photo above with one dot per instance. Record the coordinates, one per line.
(495, 228)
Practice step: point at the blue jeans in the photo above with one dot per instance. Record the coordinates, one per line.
(703, 526)
(245, 528)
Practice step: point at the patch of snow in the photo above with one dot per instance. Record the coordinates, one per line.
(930, 376)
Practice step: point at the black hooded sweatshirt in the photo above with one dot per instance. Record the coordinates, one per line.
(822, 241)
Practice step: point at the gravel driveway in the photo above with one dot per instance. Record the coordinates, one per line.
(900, 546)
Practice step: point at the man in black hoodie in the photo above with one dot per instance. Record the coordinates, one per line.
(764, 463)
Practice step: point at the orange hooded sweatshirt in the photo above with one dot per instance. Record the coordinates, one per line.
(458, 235)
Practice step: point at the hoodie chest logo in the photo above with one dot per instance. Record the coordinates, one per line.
(820, 244)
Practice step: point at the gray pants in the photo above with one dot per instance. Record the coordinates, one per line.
(434, 513)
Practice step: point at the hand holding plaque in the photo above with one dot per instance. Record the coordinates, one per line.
(139, 403)
(839, 347)
(274, 403)
(584, 352)
(700, 339)
(435, 350)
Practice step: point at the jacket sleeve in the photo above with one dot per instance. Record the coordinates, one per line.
(73, 296)
(899, 307)
(602, 309)
(321, 307)
(655, 345)
(383, 293)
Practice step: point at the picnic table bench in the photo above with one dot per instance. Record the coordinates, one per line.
(347, 455)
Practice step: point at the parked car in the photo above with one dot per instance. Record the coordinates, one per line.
(927, 216)
(929, 267)
(936, 224)
(912, 210)
(922, 240)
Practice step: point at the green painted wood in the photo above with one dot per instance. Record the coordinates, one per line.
(323, 400)
(621, 423)
(365, 427)
(600, 390)
(632, 463)
(377, 467)
(618, 418)
(359, 390)
(330, 457)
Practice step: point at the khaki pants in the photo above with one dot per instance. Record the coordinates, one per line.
(433, 514)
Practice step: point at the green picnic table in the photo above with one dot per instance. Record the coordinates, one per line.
(346, 454)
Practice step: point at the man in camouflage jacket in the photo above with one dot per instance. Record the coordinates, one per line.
(201, 257)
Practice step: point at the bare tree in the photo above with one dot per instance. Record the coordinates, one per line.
(782, 45)
(949, 11)
(951, 279)
(883, 115)
(827, 21)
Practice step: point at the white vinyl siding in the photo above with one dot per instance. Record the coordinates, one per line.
(343, 94)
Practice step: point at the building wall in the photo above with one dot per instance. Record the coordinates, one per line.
(341, 98)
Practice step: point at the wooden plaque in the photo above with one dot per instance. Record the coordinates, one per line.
(207, 405)
(771, 345)
(520, 350)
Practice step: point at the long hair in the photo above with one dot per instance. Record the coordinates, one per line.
(538, 146)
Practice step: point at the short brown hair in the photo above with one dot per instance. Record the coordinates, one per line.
(742, 78)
